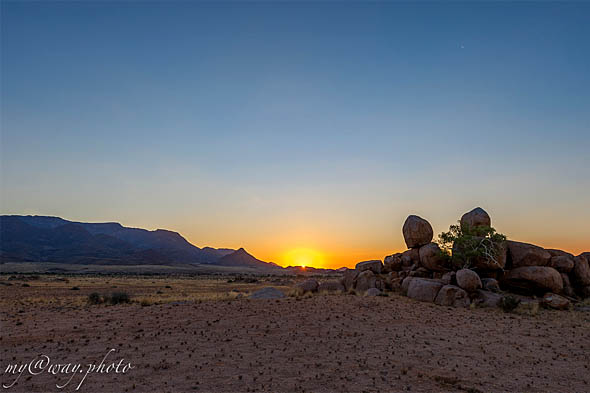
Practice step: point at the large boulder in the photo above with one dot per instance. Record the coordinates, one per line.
(450, 295)
(581, 271)
(267, 293)
(410, 257)
(331, 286)
(562, 263)
(449, 278)
(423, 289)
(476, 218)
(431, 258)
(392, 263)
(365, 280)
(417, 231)
(349, 278)
(375, 266)
(551, 300)
(535, 279)
(524, 254)
(468, 280)
(310, 285)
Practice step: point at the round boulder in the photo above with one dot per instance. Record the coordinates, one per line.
(562, 263)
(349, 278)
(468, 280)
(417, 231)
(476, 218)
(410, 257)
(392, 263)
(450, 295)
(373, 292)
(310, 285)
(423, 289)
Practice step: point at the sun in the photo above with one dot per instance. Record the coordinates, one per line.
(304, 257)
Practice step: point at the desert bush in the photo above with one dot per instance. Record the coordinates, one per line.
(465, 245)
(94, 298)
(509, 303)
(119, 297)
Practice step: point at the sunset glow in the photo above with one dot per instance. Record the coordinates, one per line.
(303, 257)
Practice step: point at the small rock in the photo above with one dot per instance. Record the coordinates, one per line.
(267, 293)
(373, 292)
(490, 284)
(551, 300)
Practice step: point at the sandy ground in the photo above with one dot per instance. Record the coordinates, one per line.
(323, 343)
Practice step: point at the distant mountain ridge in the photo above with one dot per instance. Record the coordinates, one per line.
(54, 239)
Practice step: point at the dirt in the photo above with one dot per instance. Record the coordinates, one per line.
(320, 343)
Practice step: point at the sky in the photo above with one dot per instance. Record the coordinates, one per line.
(303, 132)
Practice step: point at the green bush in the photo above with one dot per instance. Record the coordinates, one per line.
(119, 297)
(509, 303)
(463, 246)
(94, 298)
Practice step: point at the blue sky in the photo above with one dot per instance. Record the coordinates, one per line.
(281, 125)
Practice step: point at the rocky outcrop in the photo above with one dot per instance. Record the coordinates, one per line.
(375, 266)
(476, 218)
(468, 280)
(431, 258)
(534, 279)
(453, 296)
(417, 231)
(524, 254)
(423, 289)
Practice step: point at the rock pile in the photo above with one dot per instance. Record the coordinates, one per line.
(423, 273)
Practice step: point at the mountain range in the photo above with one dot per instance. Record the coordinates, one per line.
(53, 239)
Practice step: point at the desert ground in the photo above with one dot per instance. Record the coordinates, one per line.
(202, 333)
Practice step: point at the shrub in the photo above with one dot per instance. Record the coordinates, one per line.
(119, 297)
(94, 298)
(465, 245)
(509, 303)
